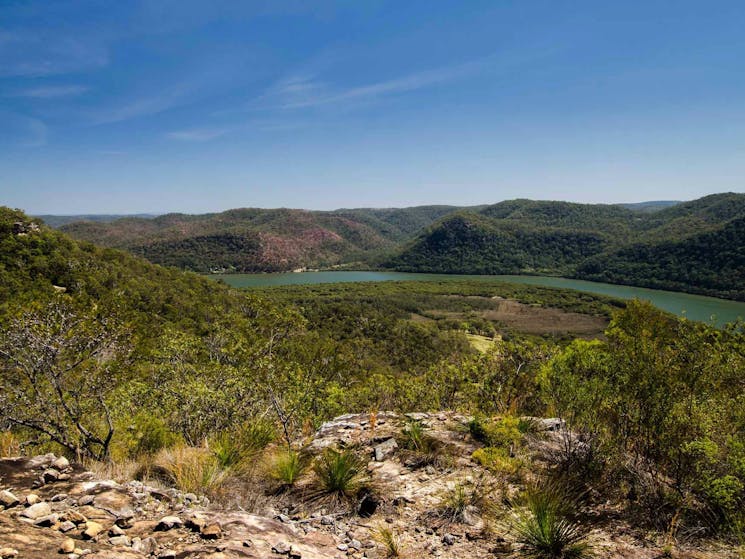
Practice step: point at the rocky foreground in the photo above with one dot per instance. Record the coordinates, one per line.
(50, 508)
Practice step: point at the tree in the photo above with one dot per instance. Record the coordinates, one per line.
(57, 365)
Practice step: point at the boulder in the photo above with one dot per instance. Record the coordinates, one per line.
(8, 500)
(385, 449)
(92, 529)
(168, 523)
(37, 511)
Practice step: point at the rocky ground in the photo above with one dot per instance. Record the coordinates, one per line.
(50, 508)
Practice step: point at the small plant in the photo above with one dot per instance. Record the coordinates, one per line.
(192, 470)
(385, 536)
(9, 445)
(501, 432)
(544, 528)
(463, 496)
(423, 449)
(236, 449)
(286, 467)
(497, 460)
(340, 473)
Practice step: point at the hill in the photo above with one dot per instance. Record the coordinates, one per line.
(253, 240)
(694, 246)
(60, 220)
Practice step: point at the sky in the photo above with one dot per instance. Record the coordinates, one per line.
(158, 106)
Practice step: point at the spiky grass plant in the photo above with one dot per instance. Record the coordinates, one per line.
(388, 539)
(286, 467)
(193, 470)
(543, 526)
(340, 473)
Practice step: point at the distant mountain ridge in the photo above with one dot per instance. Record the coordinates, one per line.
(692, 246)
(696, 246)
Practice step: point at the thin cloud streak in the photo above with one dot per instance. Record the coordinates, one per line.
(196, 135)
(298, 92)
(51, 91)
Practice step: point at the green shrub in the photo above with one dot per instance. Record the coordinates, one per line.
(236, 449)
(340, 473)
(497, 461)
(500, 432)
(421, 449)
(148, 434)
(286, 467)
(543, 527)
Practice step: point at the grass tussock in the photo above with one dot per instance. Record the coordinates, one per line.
(285, 467)
(9, 445)
(421, 449)
(388, 540)
(193, 470)
(543, 526)
(340, 474)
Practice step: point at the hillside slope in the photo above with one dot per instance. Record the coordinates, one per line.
(252, 240)
(694, 246)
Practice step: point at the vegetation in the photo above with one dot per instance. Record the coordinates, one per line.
(104, 356)
(544, 527)
(340, 473)
(694, 246)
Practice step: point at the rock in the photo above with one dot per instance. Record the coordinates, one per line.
(50, 475)
(355, 544)
(32, 499)
(385, 449)
(167, 554)
(211, 532)
(68, 546)
(37, 511)
(116, 531)
(8, 552)
(47, 521)
(8, 500)
(66, 526)
(448, 539)
(92, 529)
(120, 540)
(169, 522)
(86, 500)
(61, 464)
(342, 547)
(282, 548)
(295, 553)
(59, 497)
(73, 516)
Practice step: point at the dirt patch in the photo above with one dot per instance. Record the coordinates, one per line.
(544, 320)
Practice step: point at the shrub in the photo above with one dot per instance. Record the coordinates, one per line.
(501, 432)
(286, 467)
(385, 536)
(147, 434)
(193, 470)
(236, 449)
(497, 461)
(340, 473)
(9, 445)
(544, 528)
(423, 449)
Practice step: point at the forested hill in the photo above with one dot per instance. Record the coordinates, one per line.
(696, 246)
(251, 240)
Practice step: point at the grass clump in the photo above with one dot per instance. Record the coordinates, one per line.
(421, 449)
(504, 432)
(464, 497)
(238, 448)
(9, 445)
(191, 469)
(340, 473)
(386, 538)
(286, 467)
(544, 527)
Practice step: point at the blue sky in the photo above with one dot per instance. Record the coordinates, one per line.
(187, 106)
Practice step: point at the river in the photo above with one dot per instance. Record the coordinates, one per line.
(695, 307)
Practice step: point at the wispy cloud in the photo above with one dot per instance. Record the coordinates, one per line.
(139, 107)
(22, 131)
(29, 53)
(197, 134)
(303, 91)
(50, 91)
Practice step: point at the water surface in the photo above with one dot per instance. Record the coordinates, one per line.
(695, 307)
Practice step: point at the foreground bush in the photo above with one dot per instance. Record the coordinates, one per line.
(340, 473)
(286, 467)
(192, 470)
(543, 527)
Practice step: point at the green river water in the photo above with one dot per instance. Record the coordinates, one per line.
(695, 307)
